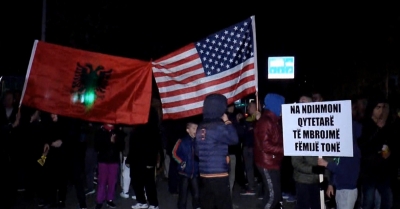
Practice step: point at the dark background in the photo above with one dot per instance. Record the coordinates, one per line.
(334, 45)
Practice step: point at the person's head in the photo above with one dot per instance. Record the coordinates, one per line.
(239, 116)
(305, 98)
(252, 108)
(378, 108)
(273, 103)
(8, 100)
(317, 97)
(231, 108)
(381, 111)
(358, 105)
(214, 106)
(191, 129)
(362, 105)
(17, 96)
(54, 117)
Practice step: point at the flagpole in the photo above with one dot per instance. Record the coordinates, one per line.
(44, 14)
(253, 24)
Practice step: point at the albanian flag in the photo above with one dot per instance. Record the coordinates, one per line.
(88, 85)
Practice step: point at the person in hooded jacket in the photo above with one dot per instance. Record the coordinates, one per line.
(268, 149)
(214, 134)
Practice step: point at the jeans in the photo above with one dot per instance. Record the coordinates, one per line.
(107, 180)
(90, 166)
(272, 188)
(346, 198)
(248, 157)
(143, 179)
(232, 171)
(184, 184)
(307, 196)
(384, 190)
(215, 193)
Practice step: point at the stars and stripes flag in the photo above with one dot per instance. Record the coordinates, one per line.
(224, 62)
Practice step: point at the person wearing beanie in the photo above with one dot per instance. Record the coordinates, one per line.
(268, 149)
(214, 134)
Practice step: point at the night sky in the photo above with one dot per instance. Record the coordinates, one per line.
(327, 40)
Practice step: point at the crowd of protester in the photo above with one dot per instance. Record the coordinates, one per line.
(205, 156)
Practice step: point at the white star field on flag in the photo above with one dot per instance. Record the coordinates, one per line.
(227, 48)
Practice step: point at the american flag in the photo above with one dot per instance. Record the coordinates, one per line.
(223, 62)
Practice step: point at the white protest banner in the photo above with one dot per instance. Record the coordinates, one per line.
(318, 129)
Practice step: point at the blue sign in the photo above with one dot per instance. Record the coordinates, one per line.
(280, 67)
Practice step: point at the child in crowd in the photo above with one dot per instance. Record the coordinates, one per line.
(188, 168)
(109, 144)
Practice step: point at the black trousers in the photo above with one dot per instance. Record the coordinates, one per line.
(272, 188)
(143, 178)
(78, 174)
(307, 196)
(287, 181)
(185, 184)
(215, 193)
(56, 182)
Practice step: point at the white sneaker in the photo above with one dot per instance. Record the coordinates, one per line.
(124, 195)
(140, 206)
(134, 197)
(153, 207)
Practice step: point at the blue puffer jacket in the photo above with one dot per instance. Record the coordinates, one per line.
(183, 153)
(213, 138)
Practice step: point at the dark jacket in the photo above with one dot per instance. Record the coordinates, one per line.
(6, 122)
(345, 170)
(373, 166)
(109, 152)
(213, 138)
(234, 149)
(183, 154)
(145, 143)
(54, 131)
(248, 139)
(268, 139)
(268, 142)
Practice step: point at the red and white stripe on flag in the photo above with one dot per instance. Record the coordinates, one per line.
(223, 63)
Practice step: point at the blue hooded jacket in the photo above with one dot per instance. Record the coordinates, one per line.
(345, 170)
(213, 138)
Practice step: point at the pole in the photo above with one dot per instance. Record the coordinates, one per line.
(321, 191)
(44, 11)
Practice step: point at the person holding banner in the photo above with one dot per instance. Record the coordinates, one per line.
(345, 172)
(268, 149)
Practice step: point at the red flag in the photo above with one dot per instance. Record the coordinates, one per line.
(87, 85)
